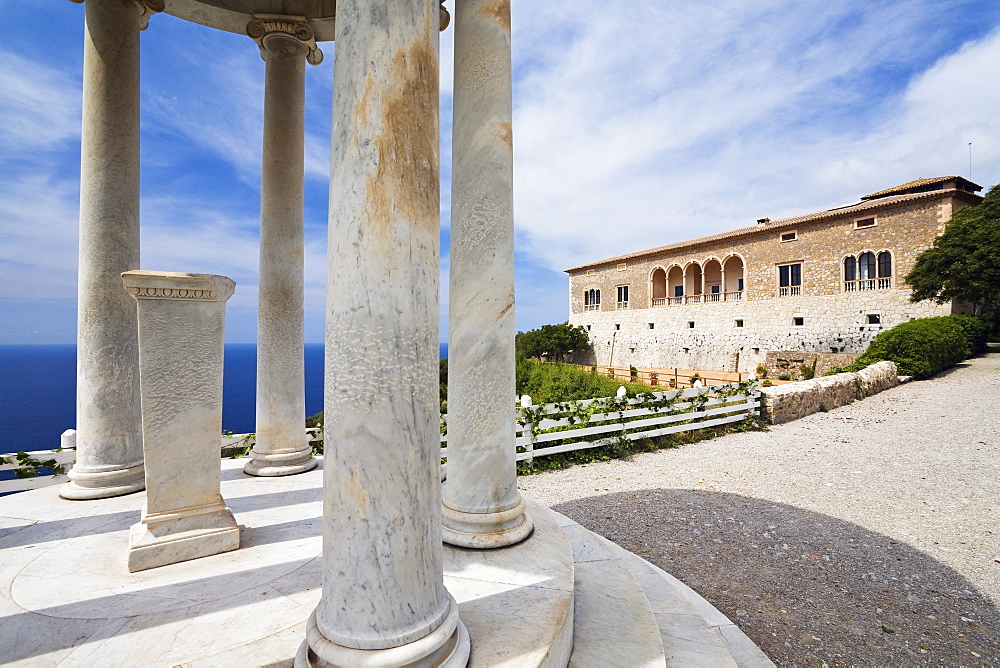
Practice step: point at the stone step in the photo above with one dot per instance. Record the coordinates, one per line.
(613, 622)
(692, 632)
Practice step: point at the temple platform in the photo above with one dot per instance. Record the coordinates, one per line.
(564, 596)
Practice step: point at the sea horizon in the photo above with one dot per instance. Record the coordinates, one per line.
(38, 396)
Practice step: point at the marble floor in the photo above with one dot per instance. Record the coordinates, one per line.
(67, 598)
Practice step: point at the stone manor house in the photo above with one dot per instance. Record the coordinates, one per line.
(824, 282)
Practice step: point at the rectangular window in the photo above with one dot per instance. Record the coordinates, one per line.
(790, 280)
(690, 324)
(874, 319)
(798, 321)
(714, 289)
(590, 272)
(738, 323)
(617, 327)
(588, 328)
(651, 325)
(678, 291)
(739, 285)
(622, 296)
(789, 236)
(864, 222)
(623, 266)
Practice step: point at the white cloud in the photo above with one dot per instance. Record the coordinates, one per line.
(661, 123)
(41, 107)
(634, 126)
(212, 100)
(38, 256)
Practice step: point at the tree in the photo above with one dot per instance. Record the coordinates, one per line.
(964, 262)
(552, 340)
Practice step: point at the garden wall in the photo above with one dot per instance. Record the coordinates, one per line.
(784, 403)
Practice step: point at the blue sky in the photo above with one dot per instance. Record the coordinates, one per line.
(635, 125)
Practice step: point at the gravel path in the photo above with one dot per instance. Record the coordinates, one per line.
(868, 535)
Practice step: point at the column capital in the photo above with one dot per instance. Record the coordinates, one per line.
(264, 26)
(146, 9)
(443, 17)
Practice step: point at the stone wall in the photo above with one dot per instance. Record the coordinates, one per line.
(790, 362)
(792, 401)
(830, 324)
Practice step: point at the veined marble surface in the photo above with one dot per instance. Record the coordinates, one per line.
(67, 598)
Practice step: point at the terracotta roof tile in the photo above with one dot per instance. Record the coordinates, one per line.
(912, 184)
(861, 207)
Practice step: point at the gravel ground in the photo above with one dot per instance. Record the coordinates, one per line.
(867, 535)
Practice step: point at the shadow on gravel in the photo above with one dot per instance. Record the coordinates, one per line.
(807, 588)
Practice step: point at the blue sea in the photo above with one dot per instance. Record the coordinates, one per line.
(38, 391)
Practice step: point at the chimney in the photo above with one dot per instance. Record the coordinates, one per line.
(763, 221)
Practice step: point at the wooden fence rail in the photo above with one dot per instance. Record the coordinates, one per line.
(541, 430)
(567, 426)
(230, 445)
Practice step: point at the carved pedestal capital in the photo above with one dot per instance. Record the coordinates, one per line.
(266, 26)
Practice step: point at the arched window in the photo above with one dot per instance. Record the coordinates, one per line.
(866, 266)
(850, 269)
(591, 300)
(884, 264)
(659, 284)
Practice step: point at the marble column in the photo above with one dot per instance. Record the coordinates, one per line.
(181, 325)
(281, 446)
(384, 602)
(108, 423)
(481, 505)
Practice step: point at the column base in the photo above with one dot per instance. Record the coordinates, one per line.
(169, 538)
(448, 646)
(104, 482)
(484, 531)
(280, 463)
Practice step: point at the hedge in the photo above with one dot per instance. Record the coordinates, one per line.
(924, 347)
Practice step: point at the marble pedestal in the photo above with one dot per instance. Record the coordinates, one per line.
(181, 326)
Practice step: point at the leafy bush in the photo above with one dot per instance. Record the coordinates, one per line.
(546, 382)
(919, 348)
(976, 331)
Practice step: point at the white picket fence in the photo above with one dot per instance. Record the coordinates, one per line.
(542, 430)
(554, 428)
(230, 445)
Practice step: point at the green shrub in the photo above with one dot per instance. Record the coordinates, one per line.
(546, 382)
(920, 348)
(976, 331)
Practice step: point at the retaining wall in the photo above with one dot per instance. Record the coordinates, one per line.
(792, 401)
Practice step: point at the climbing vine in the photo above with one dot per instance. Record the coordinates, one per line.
(28, 466)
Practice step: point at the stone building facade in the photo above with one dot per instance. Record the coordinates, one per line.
(822, 282)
